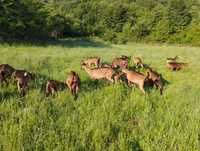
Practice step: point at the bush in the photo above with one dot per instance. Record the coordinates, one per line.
(116, 21)
(24, 19)
(110, 35)
(191, 35)
(125, 35)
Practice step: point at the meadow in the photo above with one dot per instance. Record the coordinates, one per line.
(105, 116)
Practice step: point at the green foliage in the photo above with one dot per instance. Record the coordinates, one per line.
(110, 35)
(148, 20)
(126, 34)
(22, 19)
(191, 35)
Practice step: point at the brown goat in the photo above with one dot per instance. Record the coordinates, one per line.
(136, 78)
(100, 73)
(175, 66)
(155, 78)
(120, 62)
(73, 82)
(91, 61)
(22, 82)
(52, 86)
(6, 71)
(137, 62)
(20, 73)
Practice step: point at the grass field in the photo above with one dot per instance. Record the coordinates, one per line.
(105, 116)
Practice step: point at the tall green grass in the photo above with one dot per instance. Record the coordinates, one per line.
(105, 116)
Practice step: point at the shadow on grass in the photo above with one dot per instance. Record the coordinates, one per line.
(8, 95)
(79, 42)
(39, 83)
(134, 145)
(90, 85)
(149, 85)
(68, 43)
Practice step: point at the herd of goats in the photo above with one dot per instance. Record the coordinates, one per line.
(96, 71)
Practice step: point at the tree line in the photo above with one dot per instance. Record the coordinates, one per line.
(117, 21)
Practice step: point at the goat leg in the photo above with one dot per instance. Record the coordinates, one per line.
(141, 87)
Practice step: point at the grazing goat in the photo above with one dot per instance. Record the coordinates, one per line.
(6, 71)
(138, 62)
(155, 78)
(20, 73)
(73, 82)
(22, 81)
(136, 78)
(120, 62)
(100, 73)
(91, 61)
(172, 60)
(52, 86)
(175, 66)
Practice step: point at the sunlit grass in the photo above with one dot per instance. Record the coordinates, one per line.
(105, 116)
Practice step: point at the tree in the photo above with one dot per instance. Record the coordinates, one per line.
(22, 19)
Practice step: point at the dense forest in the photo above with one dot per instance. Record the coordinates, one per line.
(118, 21)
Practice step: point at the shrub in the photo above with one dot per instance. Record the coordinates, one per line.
(24, 19)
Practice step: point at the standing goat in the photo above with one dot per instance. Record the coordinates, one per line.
(6, 71)
(21, 73)
(172, 59)
(136, 78)
(73, 82)
(52, 86)
(155, 78)
(22, 78)
(91, 61)
(120, 62)
(100, 73)
(175, 66)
